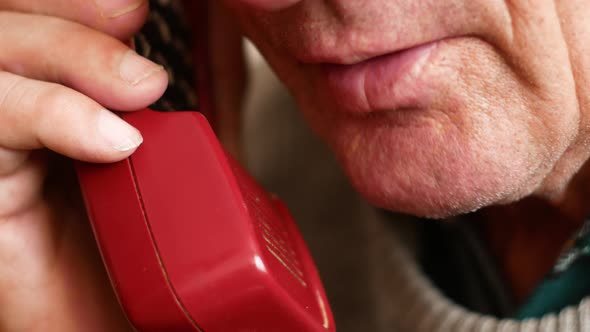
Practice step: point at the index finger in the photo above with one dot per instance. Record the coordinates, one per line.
(118, 18)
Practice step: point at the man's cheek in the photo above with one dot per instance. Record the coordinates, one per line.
(485, 138)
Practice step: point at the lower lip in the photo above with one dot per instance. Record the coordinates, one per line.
(388, 82)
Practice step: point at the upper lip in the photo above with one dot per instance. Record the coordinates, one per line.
(349, 51)
(352, 56)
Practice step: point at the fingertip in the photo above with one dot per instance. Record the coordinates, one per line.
(90, 134)
(132, 83)
(124, 21)
(118, 136)
(155, 85)
(143, 74)
(121, 8)
(139, 94)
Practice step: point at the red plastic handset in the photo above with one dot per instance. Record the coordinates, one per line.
(192, 243)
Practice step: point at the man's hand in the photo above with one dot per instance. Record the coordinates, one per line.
(62, 63)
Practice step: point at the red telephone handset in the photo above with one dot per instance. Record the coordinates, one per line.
(192, 243)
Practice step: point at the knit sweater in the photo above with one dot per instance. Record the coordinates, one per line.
(408, 301)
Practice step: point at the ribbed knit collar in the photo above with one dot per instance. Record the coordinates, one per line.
(408, 301)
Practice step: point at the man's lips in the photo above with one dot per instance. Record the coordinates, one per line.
(386, 82)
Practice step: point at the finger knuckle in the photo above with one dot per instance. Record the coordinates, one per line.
(11, 161)
(51, 98)
(20, 190)
(51, 103)
(12, 92)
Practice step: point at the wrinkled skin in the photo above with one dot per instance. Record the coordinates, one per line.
(496, 109)
(437, 108)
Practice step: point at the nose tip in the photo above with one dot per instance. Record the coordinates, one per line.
(270, 4)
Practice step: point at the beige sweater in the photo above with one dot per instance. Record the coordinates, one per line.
(407, 301)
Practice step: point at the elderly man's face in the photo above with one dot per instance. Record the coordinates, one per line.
(438, 107)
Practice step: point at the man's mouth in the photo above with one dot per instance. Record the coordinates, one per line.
(385, 82)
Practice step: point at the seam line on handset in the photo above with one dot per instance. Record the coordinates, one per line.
(163, 268)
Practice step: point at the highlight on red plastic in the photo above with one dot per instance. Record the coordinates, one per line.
(192, 243)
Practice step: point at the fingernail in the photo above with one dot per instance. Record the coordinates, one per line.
(135, 68)
(117, 8)
(119, 134)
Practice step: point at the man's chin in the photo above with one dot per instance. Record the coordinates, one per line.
(435, 177)
(431, 207)
(422, 199)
